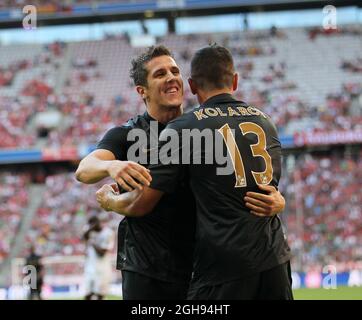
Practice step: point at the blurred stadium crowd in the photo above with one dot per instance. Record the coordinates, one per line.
(304, 84)
(69, 94)
(325, 189)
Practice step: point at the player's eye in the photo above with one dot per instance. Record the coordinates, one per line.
(160, 74)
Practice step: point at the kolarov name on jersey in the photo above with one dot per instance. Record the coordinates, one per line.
(205, 113)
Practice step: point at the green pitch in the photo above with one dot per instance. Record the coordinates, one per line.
(341, 293)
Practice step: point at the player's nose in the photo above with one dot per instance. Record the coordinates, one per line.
(171, 76)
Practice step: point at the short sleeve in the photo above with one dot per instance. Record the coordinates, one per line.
(168, 173)
(115, 141)
(166, 178)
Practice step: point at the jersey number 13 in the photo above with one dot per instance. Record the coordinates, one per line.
(258, 150)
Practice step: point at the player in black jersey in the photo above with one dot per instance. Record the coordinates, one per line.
(155, 251)
(161, 267)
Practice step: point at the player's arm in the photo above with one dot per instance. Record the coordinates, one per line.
(102, 163)
(165, 179)
(94, 167)
(265, 204)
(131, 204)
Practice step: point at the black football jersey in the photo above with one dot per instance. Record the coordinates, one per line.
(160, 244)
(233, 148)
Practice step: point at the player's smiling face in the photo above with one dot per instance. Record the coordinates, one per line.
(164, 83)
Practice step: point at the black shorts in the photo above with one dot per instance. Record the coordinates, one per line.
(136, 286)
(273, 284)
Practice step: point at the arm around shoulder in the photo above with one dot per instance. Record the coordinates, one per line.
(131, 204)
(94, 167)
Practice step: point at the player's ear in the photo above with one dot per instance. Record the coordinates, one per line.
(235, 81)
(192, 86)
(141, 91)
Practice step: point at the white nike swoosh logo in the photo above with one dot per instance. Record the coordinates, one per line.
(144, 150)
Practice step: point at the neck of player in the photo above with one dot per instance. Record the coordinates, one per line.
(164, 114)
(204, 95)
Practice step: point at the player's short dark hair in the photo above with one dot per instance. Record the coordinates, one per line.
(212, 67)
(138, 70)
(93, 220)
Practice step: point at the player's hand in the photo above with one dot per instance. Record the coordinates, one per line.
(110, 199)
(115, 187)
(129, 175)
(104, 195)
(265, 205)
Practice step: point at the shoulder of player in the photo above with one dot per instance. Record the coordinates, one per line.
(182, 122)
(125, 127)
(114, 135)
(117, 130)
(135, 122)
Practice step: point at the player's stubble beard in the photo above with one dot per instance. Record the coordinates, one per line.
(165, 111)
(174, 109)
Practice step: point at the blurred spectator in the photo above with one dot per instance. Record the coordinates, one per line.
(97, 270)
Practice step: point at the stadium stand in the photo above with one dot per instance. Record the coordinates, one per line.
(329, 209)
(87, 79)
(57, 226)
(326, 192)
(14, 198)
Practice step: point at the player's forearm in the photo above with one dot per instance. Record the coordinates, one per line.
(280, 204)
(125, 204)
(265, 204)
(92, 170)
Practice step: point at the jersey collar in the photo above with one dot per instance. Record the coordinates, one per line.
(148, 118)
(218, 99)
